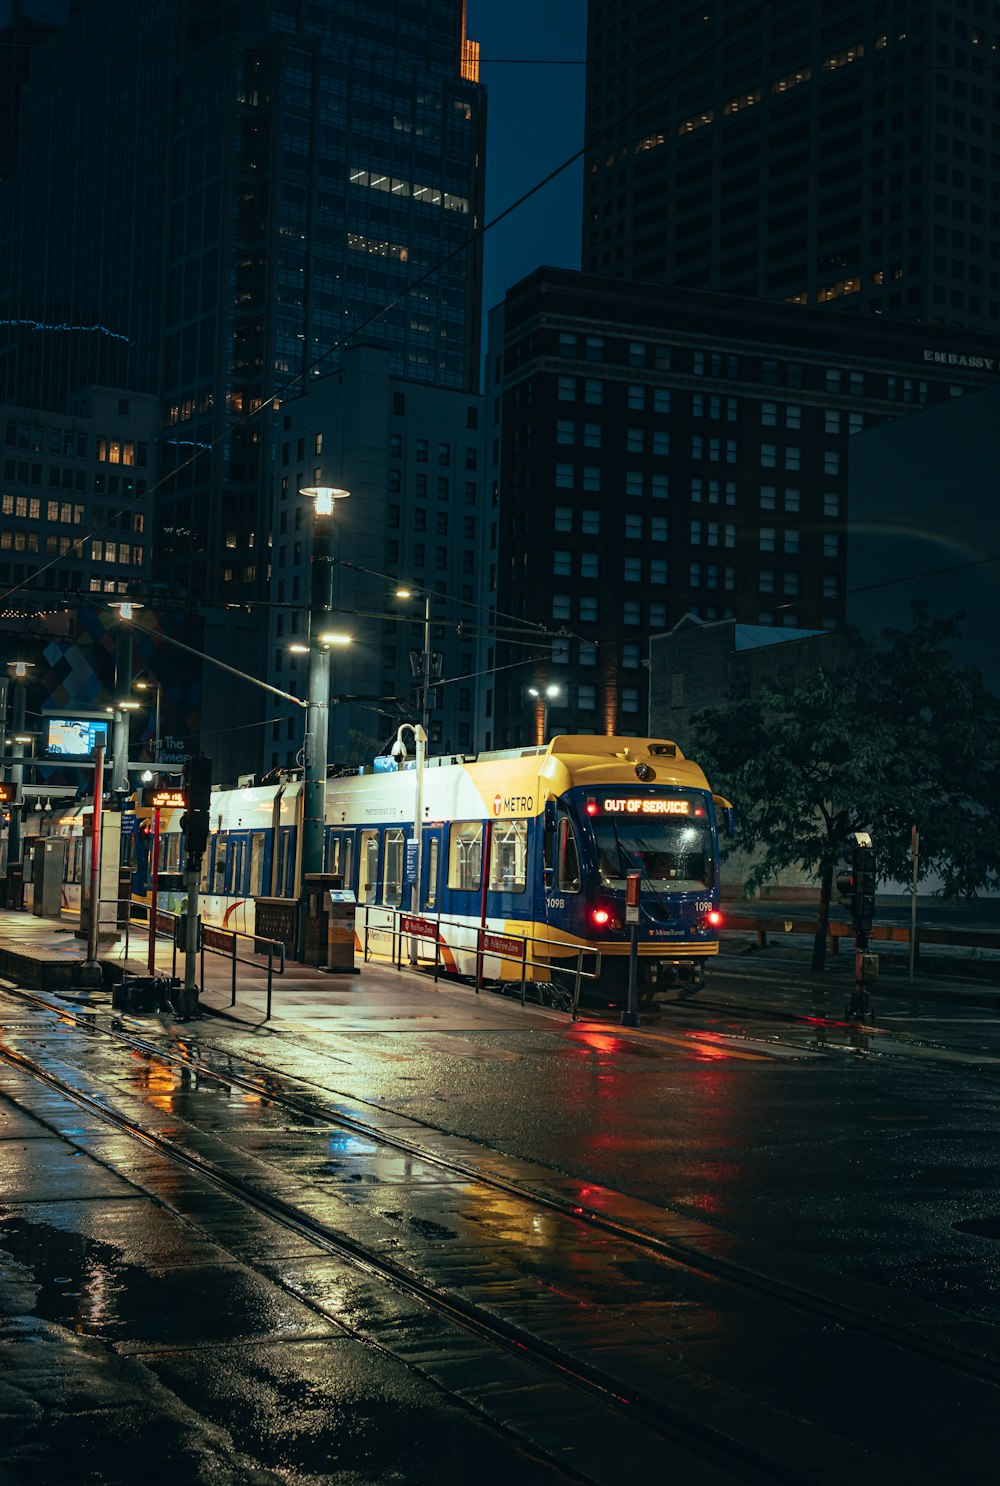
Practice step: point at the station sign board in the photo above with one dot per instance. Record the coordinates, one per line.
(163, 799)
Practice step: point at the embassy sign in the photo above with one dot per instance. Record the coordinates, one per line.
(952, 358)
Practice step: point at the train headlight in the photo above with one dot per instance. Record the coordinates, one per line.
(601, 917)
(713, 920)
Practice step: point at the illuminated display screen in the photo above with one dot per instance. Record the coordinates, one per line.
(648, 805)
(164, 799)
(75, 737)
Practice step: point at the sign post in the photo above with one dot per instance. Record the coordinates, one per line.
(154, 890)
(630, 1016)
(90, 973)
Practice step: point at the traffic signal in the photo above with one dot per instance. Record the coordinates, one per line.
(863, 890)
(197, 788)
(856, 882)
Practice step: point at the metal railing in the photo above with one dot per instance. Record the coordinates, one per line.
(510, 946)
(223, 942)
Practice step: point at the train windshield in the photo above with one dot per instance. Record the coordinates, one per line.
(671, 855)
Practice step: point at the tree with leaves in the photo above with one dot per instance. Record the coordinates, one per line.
(891, 736)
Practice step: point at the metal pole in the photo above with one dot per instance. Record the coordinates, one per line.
(189, 999)
(123, 681)
(914, 854)
(18, 708)
(91, 970)
(316, 742)
(156, 727)
(155, 887)
(420, 735)
(630, 1016)
(119, 747)
(3, 727)
(425, 671)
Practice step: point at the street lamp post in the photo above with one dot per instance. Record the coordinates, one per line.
(545, 696)
(119, 742)
(398, 752)
(19, 670)
(425, 659)
(317, 729)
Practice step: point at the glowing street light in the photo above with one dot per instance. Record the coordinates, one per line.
(546, 695)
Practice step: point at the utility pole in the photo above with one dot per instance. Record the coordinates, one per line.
(19, 711)
(428, 661)
(89, 975)
(316, 742)
(398, 752)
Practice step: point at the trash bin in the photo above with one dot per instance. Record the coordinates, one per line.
(340, 932)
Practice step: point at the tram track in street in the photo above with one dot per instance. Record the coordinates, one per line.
(650, 1421)
(314, 1106)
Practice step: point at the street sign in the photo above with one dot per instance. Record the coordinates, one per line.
(503, 944)
(417, 928)
(410, 867)
(632, 898)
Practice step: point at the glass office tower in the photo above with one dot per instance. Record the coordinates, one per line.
(210, 198)
(842, 155)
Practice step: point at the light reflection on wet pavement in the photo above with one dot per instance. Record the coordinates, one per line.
(194, 1297)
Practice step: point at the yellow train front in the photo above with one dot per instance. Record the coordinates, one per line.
(602, 809)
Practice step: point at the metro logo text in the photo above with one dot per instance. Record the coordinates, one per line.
(513, 804)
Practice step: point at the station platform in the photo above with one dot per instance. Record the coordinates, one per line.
(45, 954)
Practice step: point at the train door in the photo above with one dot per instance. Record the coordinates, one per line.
(257, 864)
(392, 870)
(368, 867)
(432, 855)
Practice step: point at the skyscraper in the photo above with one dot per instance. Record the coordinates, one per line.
(843, 154)
(209, 197)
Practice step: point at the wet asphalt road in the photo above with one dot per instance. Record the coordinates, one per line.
(149, 1319)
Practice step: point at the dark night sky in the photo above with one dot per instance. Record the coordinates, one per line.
(535, 122)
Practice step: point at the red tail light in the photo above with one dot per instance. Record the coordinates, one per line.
(713, 919)
(600, 917)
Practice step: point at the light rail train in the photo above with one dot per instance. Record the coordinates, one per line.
(535, 842)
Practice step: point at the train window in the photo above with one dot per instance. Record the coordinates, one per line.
(568, 857)
(172, 856)
(203, 880)
(669, 853)
(239, 867)
(281, 847)
(430, 899)
(368, 868)
(392, 868)
(347, 858)
(465, 855)
(508, 856)
(257, 864)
